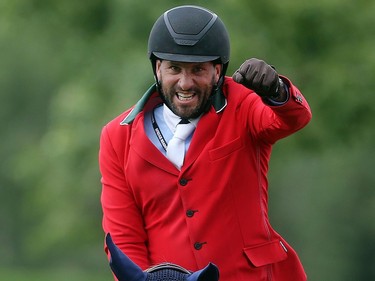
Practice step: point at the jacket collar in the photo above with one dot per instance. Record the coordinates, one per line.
(218, 100)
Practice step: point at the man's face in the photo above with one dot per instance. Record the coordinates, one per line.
(186, 87)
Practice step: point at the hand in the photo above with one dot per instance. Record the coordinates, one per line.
(258, 76)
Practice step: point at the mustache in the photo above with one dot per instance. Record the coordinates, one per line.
(178, 89)
(187, 92)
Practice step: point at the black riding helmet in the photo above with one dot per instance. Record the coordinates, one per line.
(189, 34)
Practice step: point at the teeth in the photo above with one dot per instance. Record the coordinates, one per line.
(185, 97)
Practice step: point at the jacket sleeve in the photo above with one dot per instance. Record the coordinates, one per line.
(271, 123)
(121, 216)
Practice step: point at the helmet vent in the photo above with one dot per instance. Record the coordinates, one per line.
(188, 34)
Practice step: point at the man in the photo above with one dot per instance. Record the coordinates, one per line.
(208, 202)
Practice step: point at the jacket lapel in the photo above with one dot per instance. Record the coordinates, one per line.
(206, 128)
(144, 148)
(204, 132)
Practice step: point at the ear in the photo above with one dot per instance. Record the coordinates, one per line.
(209, 273)
(123, 267)
(218, 69)
(157, 69)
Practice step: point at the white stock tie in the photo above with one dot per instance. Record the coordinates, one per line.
(176, 146)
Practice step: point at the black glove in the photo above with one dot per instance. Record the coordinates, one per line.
(258, 76)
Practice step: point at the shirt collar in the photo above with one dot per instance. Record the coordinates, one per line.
(218, 100)
(172, 119)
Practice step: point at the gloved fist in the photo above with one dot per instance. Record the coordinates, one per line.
(258, 76)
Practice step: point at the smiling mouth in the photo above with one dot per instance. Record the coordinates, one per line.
(185, 97)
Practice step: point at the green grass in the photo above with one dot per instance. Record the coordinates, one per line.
(53, 274)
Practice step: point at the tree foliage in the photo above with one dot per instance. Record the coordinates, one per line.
(68, 67)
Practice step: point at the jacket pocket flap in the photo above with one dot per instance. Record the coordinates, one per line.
(225, 150)
(267, 253)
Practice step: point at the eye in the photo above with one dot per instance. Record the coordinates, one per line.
(175, 68)
(200, 69)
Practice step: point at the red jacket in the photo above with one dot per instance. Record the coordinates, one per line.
(215, 208)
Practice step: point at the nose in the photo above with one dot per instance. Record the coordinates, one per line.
(185, 81)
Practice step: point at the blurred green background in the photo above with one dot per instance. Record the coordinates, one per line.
(68, 67)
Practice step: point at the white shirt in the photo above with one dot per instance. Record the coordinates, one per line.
(167, 122)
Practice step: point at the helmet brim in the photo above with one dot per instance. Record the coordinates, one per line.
(184, 58)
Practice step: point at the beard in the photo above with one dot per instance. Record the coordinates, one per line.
(186, 111)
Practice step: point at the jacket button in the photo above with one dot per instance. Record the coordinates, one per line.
(183, 182)
(197, 246)
(190, 213)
